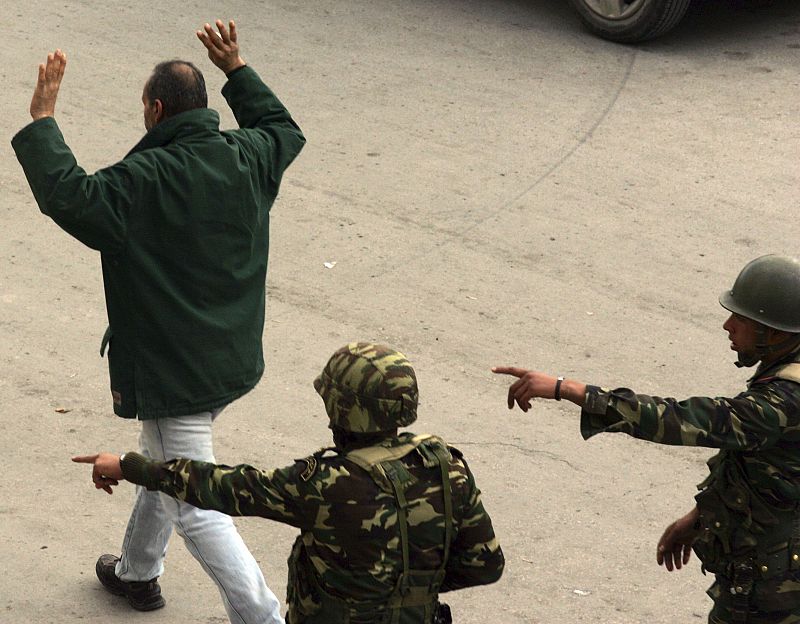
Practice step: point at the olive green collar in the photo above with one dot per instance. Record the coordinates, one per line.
(193, 122)
(763, 372)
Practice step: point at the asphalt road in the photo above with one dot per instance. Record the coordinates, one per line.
(495, 186)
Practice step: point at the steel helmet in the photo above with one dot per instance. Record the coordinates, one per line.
(767, 291)
(368, 388)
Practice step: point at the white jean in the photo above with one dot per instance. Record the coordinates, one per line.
(210, 536)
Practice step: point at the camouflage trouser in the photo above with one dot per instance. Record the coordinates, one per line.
(771, 602)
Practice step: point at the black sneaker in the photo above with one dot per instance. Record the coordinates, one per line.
(141, 595)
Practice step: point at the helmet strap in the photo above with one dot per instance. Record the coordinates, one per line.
(790, 343)
(745, 360)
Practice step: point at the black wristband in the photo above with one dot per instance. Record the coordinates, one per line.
(557, 393)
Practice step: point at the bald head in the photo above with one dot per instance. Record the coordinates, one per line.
(178, 85)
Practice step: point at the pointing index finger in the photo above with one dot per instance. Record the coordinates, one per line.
(85, 459)
(509, 370)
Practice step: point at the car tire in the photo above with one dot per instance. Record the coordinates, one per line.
(628, 21)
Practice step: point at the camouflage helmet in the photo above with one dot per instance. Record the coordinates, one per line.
(368, 388)
(767, 291)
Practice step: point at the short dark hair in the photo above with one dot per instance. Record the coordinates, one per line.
(179, 85)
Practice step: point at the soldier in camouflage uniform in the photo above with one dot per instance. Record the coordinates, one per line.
(745, 527)
(387, 521)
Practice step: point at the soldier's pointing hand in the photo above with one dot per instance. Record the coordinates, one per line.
(106, 469)
(532, 384)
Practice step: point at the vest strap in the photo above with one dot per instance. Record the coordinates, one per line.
(444, 467)
(402, 521)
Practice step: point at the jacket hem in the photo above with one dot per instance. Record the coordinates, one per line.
(193, 408)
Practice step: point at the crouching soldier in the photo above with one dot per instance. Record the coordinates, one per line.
(387, 521)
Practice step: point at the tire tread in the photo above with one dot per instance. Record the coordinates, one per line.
(668, 15)
(675, 12)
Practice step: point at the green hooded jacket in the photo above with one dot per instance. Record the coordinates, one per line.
(182, 224)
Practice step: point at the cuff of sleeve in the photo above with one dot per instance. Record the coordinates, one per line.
(595, 401)
(135, 468)
(235, 71)
(33, 127)
(236, 76)
(595, 417)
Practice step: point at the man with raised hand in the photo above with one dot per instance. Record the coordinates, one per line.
(182, 225)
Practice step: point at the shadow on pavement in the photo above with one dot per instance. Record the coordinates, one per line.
(728, 22)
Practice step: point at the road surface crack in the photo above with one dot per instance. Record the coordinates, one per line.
(524, 450)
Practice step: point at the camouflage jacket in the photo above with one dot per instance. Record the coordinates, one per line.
(760, 427)
(750, 503)
(348, 525)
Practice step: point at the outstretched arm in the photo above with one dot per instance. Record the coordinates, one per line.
(751, 420)
(237, 491)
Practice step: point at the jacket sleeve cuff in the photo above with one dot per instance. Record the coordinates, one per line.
(32, 128)
(596, 400)
(138, 469)
(235, 71)
(595, 417)
(237, 75)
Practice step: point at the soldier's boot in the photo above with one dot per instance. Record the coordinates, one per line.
(141, 595)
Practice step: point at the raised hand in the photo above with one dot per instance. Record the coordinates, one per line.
(222, 46)
(106, 471)
(43, 103)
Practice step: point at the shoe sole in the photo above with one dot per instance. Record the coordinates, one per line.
(150, 607)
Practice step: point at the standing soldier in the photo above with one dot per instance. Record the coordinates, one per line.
(745, 527)
(387, 521)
